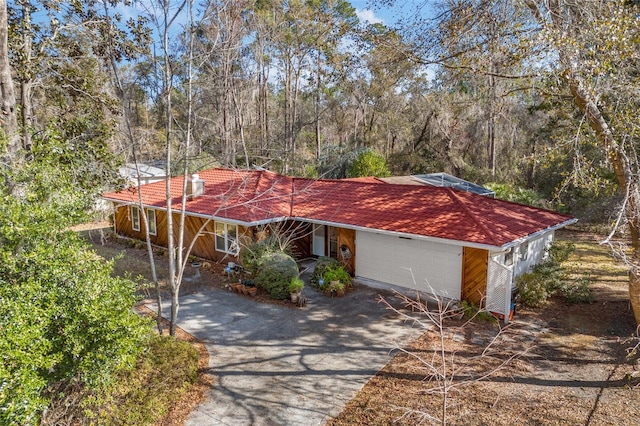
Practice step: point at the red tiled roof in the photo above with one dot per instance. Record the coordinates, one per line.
(254, 196)
(366, 179)
(241, 195)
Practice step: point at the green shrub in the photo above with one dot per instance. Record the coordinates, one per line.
(336, 287)
(330, 269)
(253, 255)
(275, 272)
(559, 252)
(322, 264)
(471, 310)
(550, 278)
(516, 194)
(368, 163)
(63, 314)
(533, 289)
(337, 273)
(577, 291)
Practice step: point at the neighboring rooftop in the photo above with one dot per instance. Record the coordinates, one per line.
(148, 174)
(443, 180)
(446, 180)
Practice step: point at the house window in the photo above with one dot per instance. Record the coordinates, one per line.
(508, 257)
(135, 218)
(524, 251)
(151, 220)
(227, 238)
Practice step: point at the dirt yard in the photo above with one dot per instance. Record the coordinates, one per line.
(569, 366)
(566, 364)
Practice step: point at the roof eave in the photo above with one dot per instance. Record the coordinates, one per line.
(202, 215)
(529, 237)
(490, 247)
(403, 234)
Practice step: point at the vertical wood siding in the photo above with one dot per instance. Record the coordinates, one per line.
(300, 233)
(347, 237)
(205, 246)
(474, 274)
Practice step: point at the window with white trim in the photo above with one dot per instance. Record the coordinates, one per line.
(227, 238)
(508, 257)
(151, 220)
(135, 218)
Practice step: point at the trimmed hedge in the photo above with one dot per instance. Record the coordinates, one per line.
(275, 273)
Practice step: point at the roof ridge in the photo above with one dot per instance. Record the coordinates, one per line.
(457, 199)
(256, 188)
(292, 193)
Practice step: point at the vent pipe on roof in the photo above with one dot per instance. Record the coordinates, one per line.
(195, 186)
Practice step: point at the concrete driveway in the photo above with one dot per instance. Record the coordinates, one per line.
(278, 365)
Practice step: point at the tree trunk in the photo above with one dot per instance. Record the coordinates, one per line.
(317, 109)
(621, 164)
(623, 172)
(9, 120)
(634, 276)
(26, 113)
(171, 251)
(491, 122)
(125, 100)
(240, 127)
(26, 107)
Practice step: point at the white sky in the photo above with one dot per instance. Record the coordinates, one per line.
(368, 15)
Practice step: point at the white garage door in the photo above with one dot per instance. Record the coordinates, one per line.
(422, 265)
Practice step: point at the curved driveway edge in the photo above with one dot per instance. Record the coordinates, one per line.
(275, 365)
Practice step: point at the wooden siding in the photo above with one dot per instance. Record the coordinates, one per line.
(205, 246)
(474, 274)
(347, 237)
(301, 233)
(301, 236)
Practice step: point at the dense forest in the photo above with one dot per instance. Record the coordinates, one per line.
(471, 88)
(538, 98)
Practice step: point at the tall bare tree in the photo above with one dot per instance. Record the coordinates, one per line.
(598, 55)
(9, 120)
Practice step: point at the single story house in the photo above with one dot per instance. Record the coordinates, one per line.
(438, 240)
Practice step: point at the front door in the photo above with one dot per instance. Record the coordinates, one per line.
(325, 241)
(318, 240)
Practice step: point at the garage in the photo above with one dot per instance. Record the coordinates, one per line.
(426, 266)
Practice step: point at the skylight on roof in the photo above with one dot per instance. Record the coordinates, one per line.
(446, 180)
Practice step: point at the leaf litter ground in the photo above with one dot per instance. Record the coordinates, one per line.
(570, 363)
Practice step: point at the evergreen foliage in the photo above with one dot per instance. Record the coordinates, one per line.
(275, 274)
(516, 194)
(342, 162)
(62, 314)
(254, 255)
(549, 278)
(368, 163)
(330, 270)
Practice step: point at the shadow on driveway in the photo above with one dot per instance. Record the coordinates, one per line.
(275, 365)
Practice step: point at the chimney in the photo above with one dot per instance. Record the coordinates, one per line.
(195, 186)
